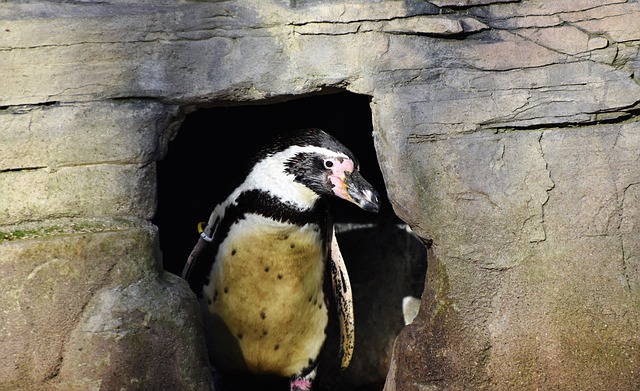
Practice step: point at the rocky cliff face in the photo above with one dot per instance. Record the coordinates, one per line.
(506, 131)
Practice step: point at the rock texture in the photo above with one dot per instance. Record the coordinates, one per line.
(507, 133)
(86, 307)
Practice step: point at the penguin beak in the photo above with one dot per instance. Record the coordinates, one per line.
(351, 186)
(361, 192)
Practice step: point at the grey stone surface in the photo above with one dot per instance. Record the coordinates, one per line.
(86, 306)
(78, 191)
(82, 159)
(506, 132)
(141, 336)
(120, 132)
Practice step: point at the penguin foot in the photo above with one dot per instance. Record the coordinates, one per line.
(300, 384)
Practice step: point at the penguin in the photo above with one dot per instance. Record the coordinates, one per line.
(261, 265)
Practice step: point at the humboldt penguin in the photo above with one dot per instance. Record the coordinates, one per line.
(259, 266)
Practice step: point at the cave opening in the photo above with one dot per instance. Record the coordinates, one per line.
(386, 262)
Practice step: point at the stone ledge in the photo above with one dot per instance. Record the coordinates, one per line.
(119, 132)
(63, 226)
(78, 191)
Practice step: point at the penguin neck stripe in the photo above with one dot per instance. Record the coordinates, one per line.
(261, 203)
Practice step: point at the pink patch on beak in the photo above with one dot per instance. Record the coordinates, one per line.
(342, 165)
(339, 187)
(337, 177)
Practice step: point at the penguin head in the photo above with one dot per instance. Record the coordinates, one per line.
(315, 160)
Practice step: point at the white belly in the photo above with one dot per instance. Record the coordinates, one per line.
(266, 286)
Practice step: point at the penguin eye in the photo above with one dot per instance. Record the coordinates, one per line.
(328, 164)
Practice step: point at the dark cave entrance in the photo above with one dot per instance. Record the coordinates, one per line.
(385, 261)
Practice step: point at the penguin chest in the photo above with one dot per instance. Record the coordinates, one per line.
(266, 290)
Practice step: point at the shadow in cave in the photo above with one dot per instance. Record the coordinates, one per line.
(386, 262)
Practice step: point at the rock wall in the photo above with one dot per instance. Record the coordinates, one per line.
(507, 133)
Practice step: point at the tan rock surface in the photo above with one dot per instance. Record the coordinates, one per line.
(506, 133)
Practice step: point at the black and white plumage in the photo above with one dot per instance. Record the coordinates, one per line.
(259, 267)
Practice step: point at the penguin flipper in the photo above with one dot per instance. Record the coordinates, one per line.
(206, 236)
(344, 302)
